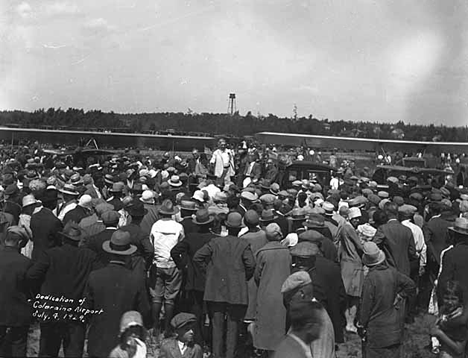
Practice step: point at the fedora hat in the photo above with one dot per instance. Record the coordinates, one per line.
(202, 217)
(168, 208)
(73, 231)
(188, 205)
(297, 214)
(69, 189)
(29, 200)
(251, 217)
(175, 181)
(372, 254)
(137, 209)
(315, 220)
(460, 226)
(119, 244)
(117, 187)
(234, 220)
(268, 215)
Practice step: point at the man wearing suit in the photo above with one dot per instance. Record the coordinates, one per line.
(15, 311)
(229, 265)
(436, 234)
(183, 253)
(253, 170)
(455, 262)
(45, 227)
(115, 290)
(396, 241)
(326, 279)
(110, 220)
(63, 271)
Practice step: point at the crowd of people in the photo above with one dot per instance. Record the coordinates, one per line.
(207, 256)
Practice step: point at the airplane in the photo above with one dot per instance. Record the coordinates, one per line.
(360, 144)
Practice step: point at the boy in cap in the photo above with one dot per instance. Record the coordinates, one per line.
(182, 345)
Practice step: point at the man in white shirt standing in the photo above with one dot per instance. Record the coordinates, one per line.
(223, 162)
(166, 278)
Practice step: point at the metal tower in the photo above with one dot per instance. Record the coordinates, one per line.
(232, 108)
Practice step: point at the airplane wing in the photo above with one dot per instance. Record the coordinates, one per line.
(359, 144)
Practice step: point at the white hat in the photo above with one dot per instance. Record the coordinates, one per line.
(86, 201)
(147, 197)
(354, 213)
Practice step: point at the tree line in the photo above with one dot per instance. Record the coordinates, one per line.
(219, 123)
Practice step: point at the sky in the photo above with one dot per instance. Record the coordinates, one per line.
(362, 60)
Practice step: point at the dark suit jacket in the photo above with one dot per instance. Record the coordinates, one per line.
(289, 348)
(76, 215)
(454, 268)
(14, 293)
(115, 290)
(436, 235)
(330, 292)
(229, 265)
(142, 242)
(170, 349)
(45, 227)
(396, 240)
(150, 218)
(63, 271)
(183, 254)
(95, 243)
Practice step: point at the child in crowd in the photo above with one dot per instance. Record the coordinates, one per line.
(132, 337)
(450, 333)
(182, 345)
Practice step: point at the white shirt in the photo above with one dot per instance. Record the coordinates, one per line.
(64, 209)
(334, 183)
(182, 347)
(419, 242)
(165, 234)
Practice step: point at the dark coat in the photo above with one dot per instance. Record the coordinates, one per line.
(273, 266)
(142, 242)
(188, 225)
(329, 290)
(115, 290)
(76, 215)
(183, 254)
(289, 348)
(170, 349)
(455, 268)
(14, 307)
(94, 243)
(436, 235)
(63, 271)
(229, 265)
(396, 240)
(150, 218)
(256, 240)
(384, 323)
(116, 202)
(45, 227)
